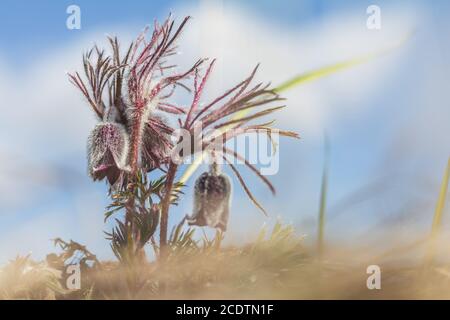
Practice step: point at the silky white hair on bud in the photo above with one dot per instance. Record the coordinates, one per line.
(107, 139)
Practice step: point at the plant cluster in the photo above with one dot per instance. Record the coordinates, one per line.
(131, 92)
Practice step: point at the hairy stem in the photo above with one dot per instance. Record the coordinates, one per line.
(136, 136)
(165, 205)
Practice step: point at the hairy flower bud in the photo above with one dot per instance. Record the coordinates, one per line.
(108, 149)
(156, 144)
(212, 195)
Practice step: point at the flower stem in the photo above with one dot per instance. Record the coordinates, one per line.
(136, 137)
(165, 210)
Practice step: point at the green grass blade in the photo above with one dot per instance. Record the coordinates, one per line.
(437, 220)
(334, 68)
(438, 214)
(323, 201)
(320, 73)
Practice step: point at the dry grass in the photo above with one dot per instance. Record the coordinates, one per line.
(274, 266)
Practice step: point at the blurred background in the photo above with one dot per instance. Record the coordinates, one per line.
(387, 121)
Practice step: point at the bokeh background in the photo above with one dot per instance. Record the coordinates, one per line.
(387, 120)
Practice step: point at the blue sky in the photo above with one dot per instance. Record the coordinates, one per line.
(387, 121)
(38, 25)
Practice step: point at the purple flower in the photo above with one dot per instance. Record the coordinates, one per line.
(108, 147)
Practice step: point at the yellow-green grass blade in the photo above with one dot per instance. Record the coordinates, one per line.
(438, 214)
(320, 73)
(437, 220)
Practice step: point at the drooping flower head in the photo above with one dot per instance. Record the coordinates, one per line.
(108, 148)
(212, 197)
